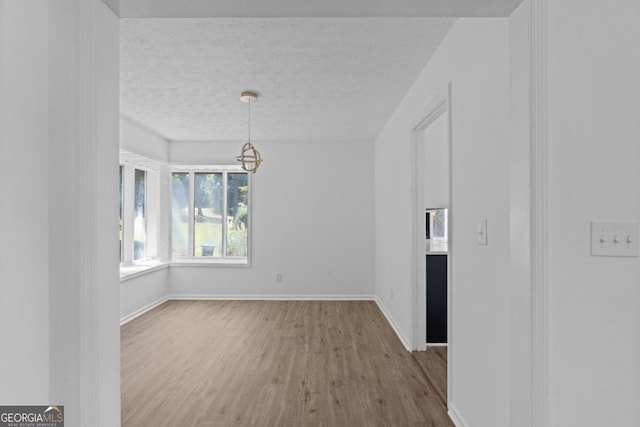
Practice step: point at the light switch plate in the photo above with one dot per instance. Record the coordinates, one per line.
(614, 238)
(482, 232)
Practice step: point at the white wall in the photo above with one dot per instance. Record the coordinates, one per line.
(594, 151)
(436, 163)
(312, 221)
(474, 57)
(312, 209)
(24, 216)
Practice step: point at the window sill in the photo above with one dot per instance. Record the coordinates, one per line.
(140, 268)
(217, 262)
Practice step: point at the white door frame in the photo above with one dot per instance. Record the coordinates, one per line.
(439, 106)
(539, 214)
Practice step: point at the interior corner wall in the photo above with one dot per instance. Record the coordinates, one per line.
(139, 140)
(24, 216)
(141, 293)
(312, 221)
(474, 58)
(593, 174)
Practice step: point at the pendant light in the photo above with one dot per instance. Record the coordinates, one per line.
(249, 156)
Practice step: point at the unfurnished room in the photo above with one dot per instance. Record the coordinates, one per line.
(339, 213)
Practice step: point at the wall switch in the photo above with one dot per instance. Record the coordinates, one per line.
(278, 277)
(481, 231)
(610, 238)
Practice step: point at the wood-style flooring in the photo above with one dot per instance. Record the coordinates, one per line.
(433, 362)
(272, 363)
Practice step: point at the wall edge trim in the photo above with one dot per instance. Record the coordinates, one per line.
(456, 417)
(142, 310)
(264, 297)
(401, 336)
(539, 214)
(87, 191)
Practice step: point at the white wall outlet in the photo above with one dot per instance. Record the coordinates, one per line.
(611, 238)
(278, 277)
(481, 232)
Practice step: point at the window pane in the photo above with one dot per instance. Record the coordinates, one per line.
(121, 208)
(237, 214)
(139, 214)
(180, 214)
(207, 214)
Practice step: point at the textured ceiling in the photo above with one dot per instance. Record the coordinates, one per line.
(318, 78)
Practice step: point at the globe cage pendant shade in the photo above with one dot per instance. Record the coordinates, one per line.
(249, 157)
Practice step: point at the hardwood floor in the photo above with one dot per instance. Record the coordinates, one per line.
(433, 362)
(271, 363)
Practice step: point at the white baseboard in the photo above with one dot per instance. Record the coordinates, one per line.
(156, 303)
(456, 417)
(397, 330)
(272, 297)
(142, 310)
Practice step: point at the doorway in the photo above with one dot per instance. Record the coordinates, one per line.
(432, 319)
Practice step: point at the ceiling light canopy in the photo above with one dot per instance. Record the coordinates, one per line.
(249, 157)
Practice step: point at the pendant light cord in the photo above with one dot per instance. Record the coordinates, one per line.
(249, 121)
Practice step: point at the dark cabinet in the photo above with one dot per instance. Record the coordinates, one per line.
(436, 299)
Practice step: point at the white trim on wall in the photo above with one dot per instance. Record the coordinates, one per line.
(177, 297)
(456, 417)
(273, 297)
(439, 106)
(403, 338)
(139, 312)
(88, 192)
(450, 255)
(436, 109)
(539, 213)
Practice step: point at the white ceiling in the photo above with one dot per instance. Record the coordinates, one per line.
(324, 69)
(318, 78)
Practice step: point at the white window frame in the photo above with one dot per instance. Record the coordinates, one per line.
(122, 216)
(145, 209)
(223, 260)
(129, 163)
